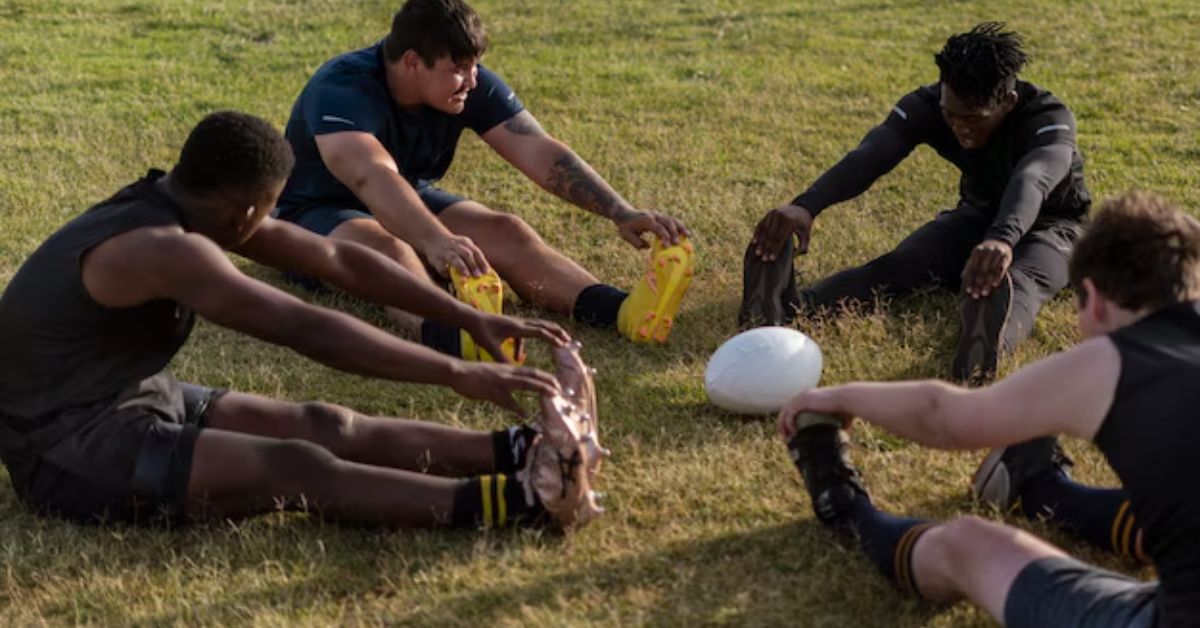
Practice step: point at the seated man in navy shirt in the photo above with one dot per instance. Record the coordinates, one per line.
(375, 129)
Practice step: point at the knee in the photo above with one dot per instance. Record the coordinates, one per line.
(299, 463)
(515, 231)
(329, 423)
(957, 539)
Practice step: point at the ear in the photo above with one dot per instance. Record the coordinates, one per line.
(1096, 304)
(1011, 98)
(409, 60)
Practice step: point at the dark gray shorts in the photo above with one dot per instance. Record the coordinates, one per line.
(125, 460)
(1066, 593)
(323, 220)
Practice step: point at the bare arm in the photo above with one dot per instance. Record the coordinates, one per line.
(368, 275)
(551, 164)
(364, 166)
(1068, 392)
(148, 264)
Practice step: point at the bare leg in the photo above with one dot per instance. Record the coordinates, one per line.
(385, 442)
(236, 475)
(977, 559)
(539, 274)
(371, 234)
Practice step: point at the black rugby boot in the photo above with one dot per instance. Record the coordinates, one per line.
(769, 295)
(833, 484)
(983, 321)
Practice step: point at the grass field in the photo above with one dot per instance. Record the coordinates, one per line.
(714, 111)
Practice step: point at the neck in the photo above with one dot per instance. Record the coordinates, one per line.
(402, 91)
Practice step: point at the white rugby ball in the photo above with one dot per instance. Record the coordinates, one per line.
(758, 371)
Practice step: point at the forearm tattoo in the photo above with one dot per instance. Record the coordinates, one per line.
(574, 181)
(524, 124)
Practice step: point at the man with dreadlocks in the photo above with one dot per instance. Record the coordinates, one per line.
(1006, 243)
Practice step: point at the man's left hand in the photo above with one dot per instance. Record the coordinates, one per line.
(667, 229)
(490, 331)
(986, 267)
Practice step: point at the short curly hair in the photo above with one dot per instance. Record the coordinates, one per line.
(229, 149)
(1140, 251)
(981, 65)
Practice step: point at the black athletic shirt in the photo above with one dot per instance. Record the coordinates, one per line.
(1151, 438)
(350, 93)
(1008, 177)
(61, 349)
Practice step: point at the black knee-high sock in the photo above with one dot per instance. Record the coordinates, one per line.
(492, 501)
(1100, 516)
(442, 338)
(888, 541)
(598, 305)
(510, 446)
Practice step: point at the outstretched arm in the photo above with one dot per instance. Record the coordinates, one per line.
(882, 149)
(148, 264)
(1069, 392)
(371, 276)
(521, 141)
(364, 166)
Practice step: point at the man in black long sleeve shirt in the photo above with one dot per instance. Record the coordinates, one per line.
(1022, 202)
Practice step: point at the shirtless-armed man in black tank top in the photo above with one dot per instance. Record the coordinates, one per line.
(92, 426)
(1021, 202)
(1130, 387)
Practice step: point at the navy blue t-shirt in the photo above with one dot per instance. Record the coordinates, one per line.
(349, 93)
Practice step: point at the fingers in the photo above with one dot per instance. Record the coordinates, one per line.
(673, 227)
(765, 236)
(633, 237)
(803, 236)
(473, 257)
(656, 226)
(970, 272)
(534, 380)
(550, 332)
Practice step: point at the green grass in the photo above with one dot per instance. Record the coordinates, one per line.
(713, 111)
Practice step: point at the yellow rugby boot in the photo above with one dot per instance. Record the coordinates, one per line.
(648, 314)
(486, 294)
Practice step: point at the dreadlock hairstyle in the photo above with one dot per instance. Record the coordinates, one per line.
(981, 65)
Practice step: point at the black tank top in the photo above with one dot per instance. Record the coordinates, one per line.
(60, 349)
(1151, 438)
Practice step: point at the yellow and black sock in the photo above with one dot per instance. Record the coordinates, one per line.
(1100, 516)
(492, 501)
(510, 447)
(888, 541)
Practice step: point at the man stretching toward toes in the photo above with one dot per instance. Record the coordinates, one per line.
(1130, 387)
(1022, 198)
(92, 426)
(375, 129)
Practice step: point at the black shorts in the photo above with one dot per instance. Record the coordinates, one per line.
(127, 460)
(323, 220)
(1065, 593)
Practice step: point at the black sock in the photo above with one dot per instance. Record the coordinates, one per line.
(492, 501)
(441, 338)
(510, 446)
(1100, 516)
(598, 305)
(888, 541)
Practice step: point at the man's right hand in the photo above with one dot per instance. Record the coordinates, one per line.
(777, 226)
(495, 382)
(457, 251)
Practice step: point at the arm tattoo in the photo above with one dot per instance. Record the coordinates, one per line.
(575, 182)
(524, 124)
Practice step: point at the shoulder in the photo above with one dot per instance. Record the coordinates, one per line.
(359, 70)
(1041, 112)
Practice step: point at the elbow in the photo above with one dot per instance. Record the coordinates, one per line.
(948, 421)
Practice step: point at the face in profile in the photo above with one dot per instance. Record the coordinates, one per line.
(444, 86)
(973, 125)
(241, 213)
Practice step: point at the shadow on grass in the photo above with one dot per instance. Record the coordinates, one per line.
(706, 581)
